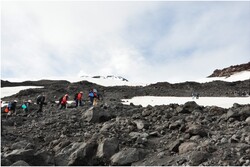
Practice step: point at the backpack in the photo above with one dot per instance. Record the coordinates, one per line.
(9, 105)
(6, 110)
(79, 96)
(40, 99)
(64, 100)
(91, 94)
(24, 106)
(75, 98)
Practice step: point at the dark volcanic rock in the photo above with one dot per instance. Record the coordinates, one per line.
(226, 72)
(197, 130)
(107, 148)
(197, 157)
(97, 115)
(20, 163)
(20, 154)
(128, 156)
(115, 134)
(187, 146)
(188, 107)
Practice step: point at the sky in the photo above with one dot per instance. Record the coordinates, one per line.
(143, 41)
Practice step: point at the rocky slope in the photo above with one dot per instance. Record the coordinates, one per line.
(128, 135)
(226, 72)
(116, 134)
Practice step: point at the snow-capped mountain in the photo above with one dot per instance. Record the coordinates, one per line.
(109, 80)
(106, 77)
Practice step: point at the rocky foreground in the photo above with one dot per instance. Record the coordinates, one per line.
(120, 134)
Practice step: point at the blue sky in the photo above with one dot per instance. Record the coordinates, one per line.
(141, 41)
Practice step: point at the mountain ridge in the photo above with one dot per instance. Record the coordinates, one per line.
(228, 71)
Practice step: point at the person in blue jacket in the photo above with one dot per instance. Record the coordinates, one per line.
(91, 96)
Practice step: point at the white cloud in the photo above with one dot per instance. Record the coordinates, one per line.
(141, 41)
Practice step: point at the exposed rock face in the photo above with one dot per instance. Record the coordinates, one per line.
(226, 72)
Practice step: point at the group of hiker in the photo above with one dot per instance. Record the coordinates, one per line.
(93, 95)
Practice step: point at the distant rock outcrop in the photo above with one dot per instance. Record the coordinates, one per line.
(227, 72)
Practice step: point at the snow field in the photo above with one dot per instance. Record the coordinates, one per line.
(224, 102)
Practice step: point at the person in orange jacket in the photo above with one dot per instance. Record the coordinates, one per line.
(63, 101)
(78, 99)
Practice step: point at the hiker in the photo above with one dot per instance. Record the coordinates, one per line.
(91, 96)
(26, 106)
(96, 97)
(197, 96)
(11, 108)
(63, 101)
(40, 100)
(193, 95)
(78, 99)
(7, 111)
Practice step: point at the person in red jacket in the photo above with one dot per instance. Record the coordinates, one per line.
(79, 99)
(63, 101)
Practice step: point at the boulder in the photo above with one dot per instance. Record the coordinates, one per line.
(186, 147)
(197, 157)
(154, 134)
(107, 148)
(127, 156)
(195, 138)
(43, 158)
(62, 158)
(20, 154)
(146, 112)
(61, 145)
(232, 114)
(175, 125)
(245, 111)
(20, 163)
(96, 115)
(248, 120)
(215, 110)
(188, 107)
(196, 130)
(175, 145)
(141, 124)
(83, 155)
(106, 126)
